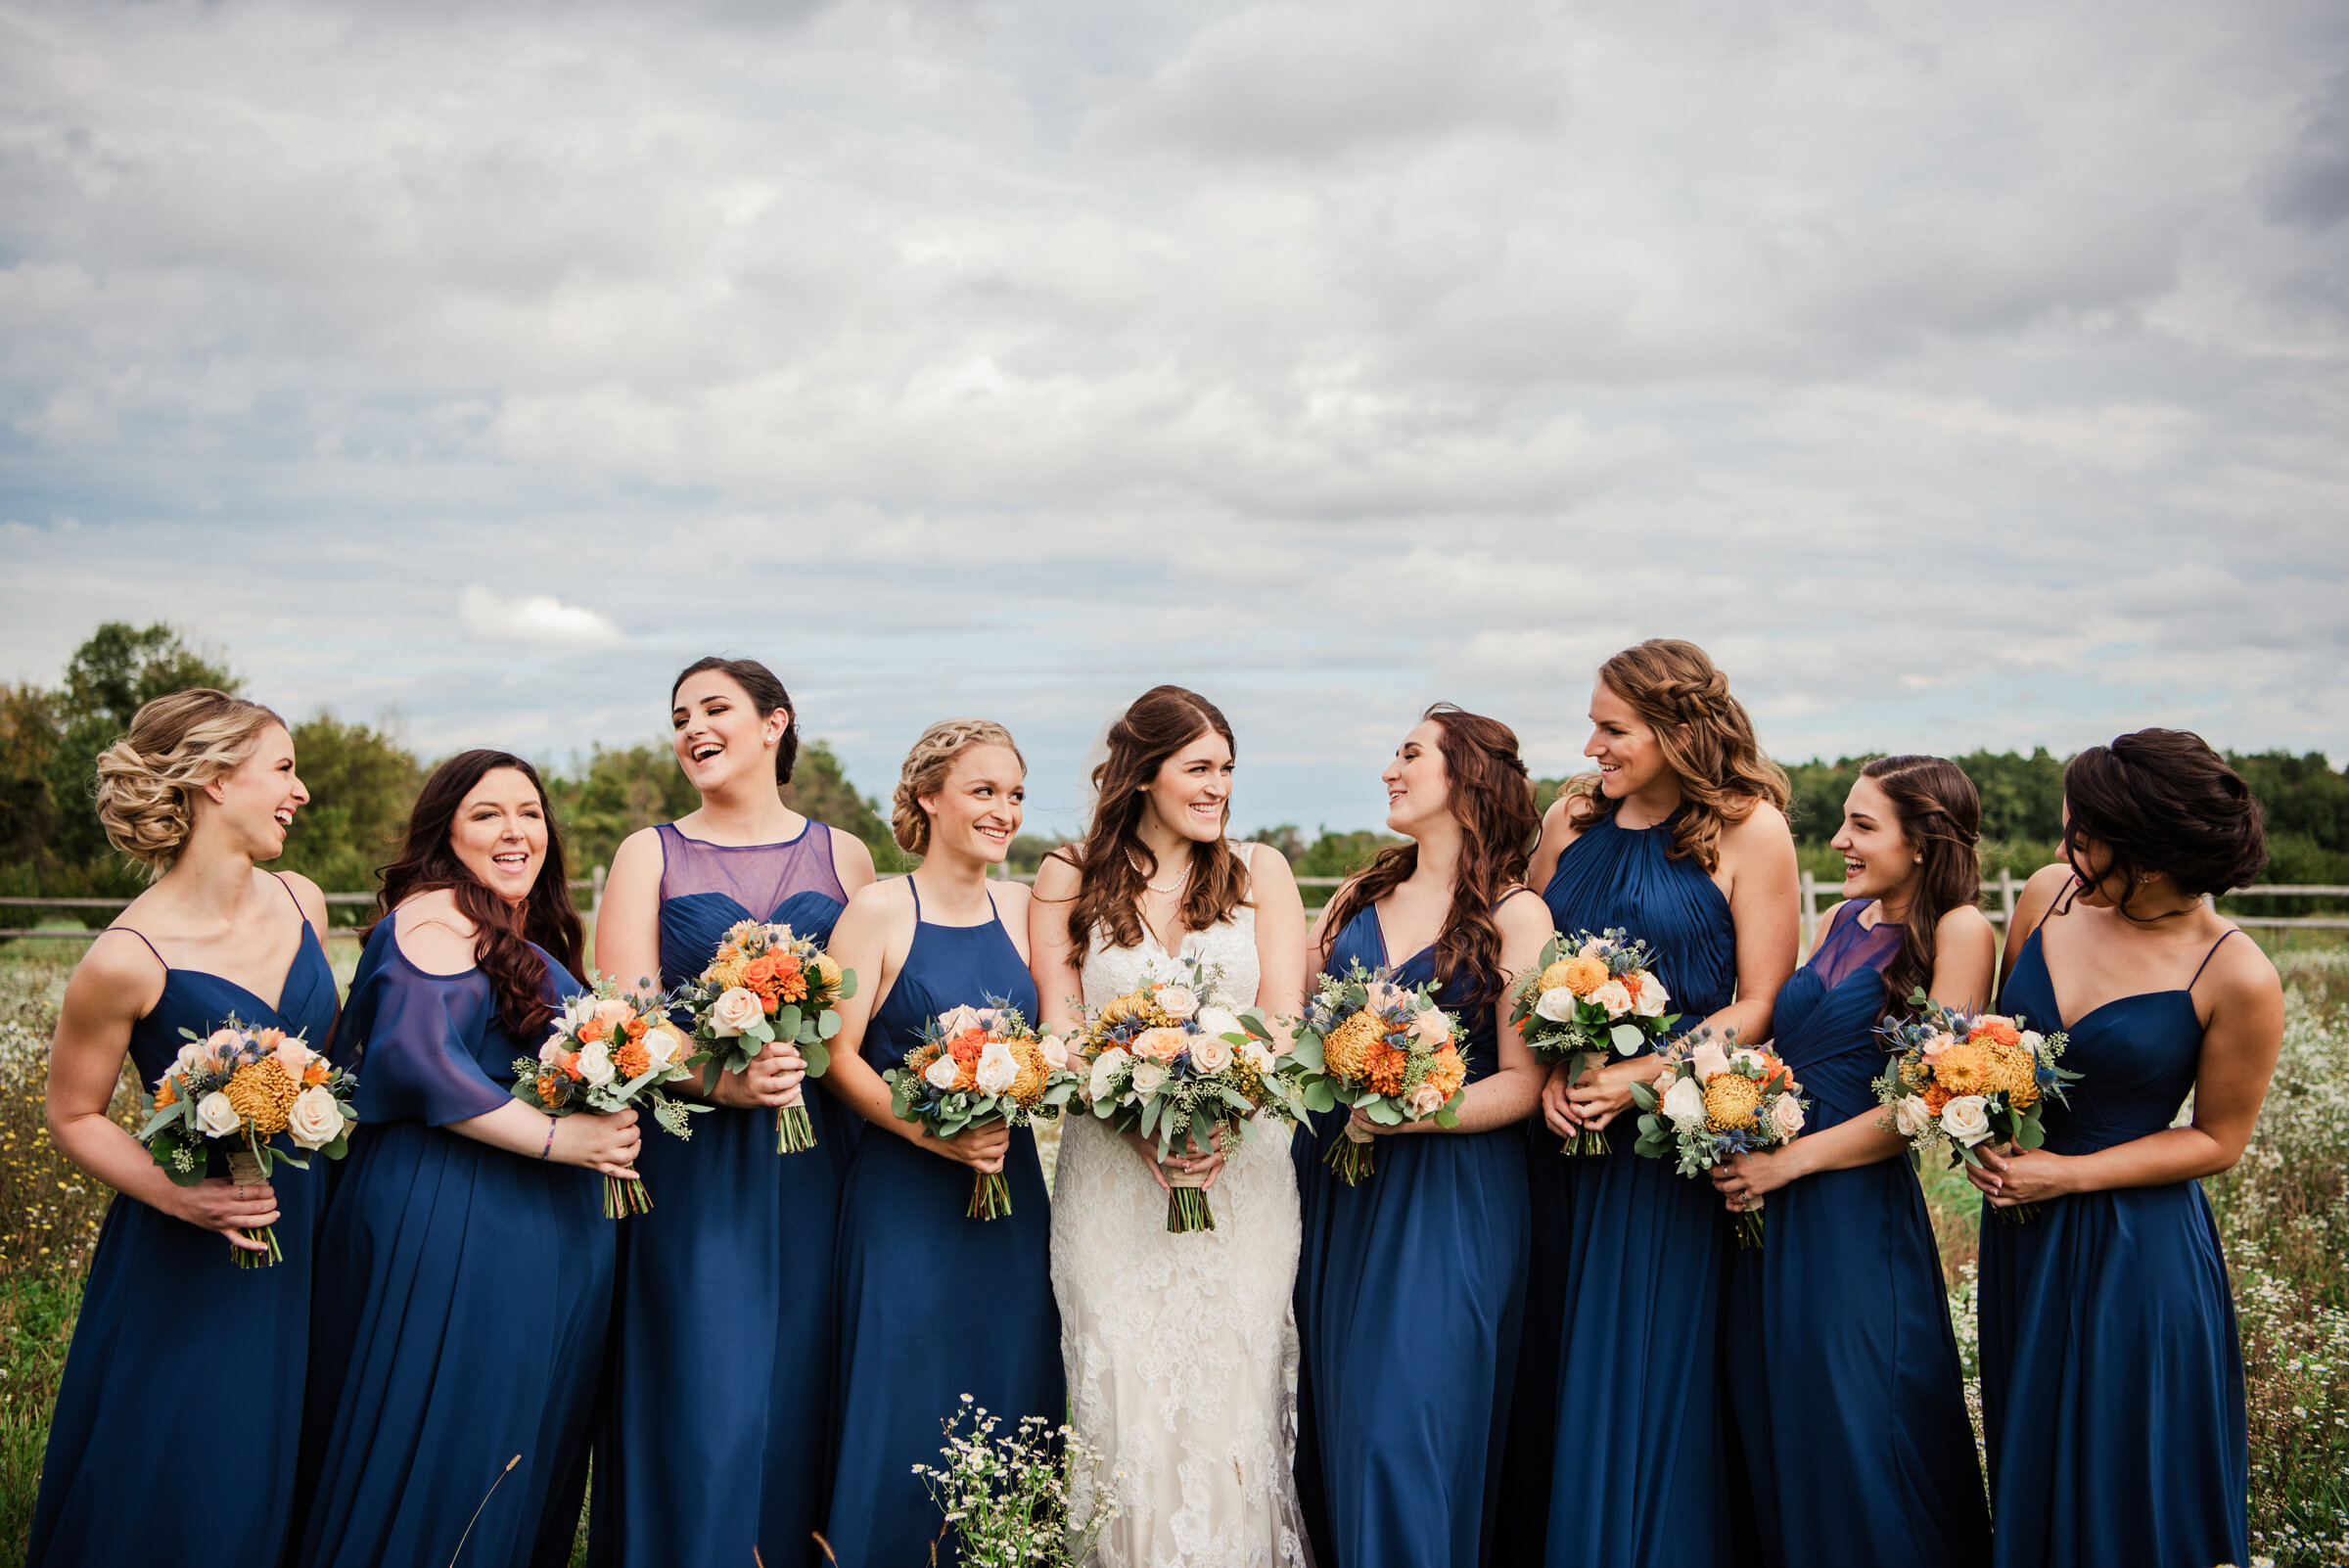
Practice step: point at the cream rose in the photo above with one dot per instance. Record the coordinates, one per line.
(1615, 997)
(1938, 1044)
(1653, 996)
(578, 1011)
(613, 1012)
(1220, 1021)
(735, 1011)
(665, 1044)
(1708, 1061)
(222, 1039)
(2030, 1040)
(595, 1063)
(1967, 1119)
(1747, 1061)
(1785, 1116)
(1685, 1105)
(1433, 1026)
(941, 1073)
(215, 1116)
(1160, 1045)
(1424, 1101)
(1053, 1049)
(1211, 1053)
(1106, 1067)
(1556, 1005)
(1257, 1056)
(951, 1023)
(314, 1118)
(1177, 1002)
(998, 1068)
(195, 1056)
(1911, 1116)
(294, 1057)
(1148, 1078)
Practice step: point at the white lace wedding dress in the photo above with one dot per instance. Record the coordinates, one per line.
(1181, 1350)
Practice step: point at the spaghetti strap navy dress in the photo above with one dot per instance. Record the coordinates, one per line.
(2112, 1378)
(114, 1486)
(932, 1304)
(716, 1398)
(1640, 1435)
(1856, 1437)
(461, 1300)
(1409, 1290)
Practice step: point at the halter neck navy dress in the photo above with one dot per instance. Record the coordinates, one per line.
(716, 1398)
(2112, 1378)
(461, 1301)
(113, 1484)
(1855, 1433)
(1639, 1429)
(932, 1306)
(1409, 1291)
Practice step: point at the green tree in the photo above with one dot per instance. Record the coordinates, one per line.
(362, 785)
(820, 787)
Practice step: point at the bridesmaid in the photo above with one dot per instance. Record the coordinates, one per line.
(2112, 1381)
(1857, 1442)
(711, 1439)
(465, 1271)
(931, 1305)
(201, 789)
(1681, 841)
(1408, 1287)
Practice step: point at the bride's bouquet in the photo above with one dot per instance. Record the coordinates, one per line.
(609, 1052)
(766, 984)
(1168, 1061)
(236, 1090)
(1591, 992)
(1958, 1081)
(1714, 1100)
(977, 1065)
(1383, 1049)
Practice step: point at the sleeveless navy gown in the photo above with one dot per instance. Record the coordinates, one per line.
(1409, 1303)
(461, 1300)
(716, 1396)
(932, 1304)
(1854, 1425)
(2112, 1378)
(1640, 1429)
(113, 1482)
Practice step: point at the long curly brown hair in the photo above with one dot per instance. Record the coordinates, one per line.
(1941, 817)
(1492, 800)
(1707, 740)
(1113, 863)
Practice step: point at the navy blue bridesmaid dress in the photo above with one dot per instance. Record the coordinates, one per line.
(931, 1305)
(1409, 1305)
(1640, 1430)
(113, 1482)
(2112, 1377)
(461, 1300)
(1851, 1402)
(717, 1408)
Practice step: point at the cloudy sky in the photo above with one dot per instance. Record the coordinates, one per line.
(1959, 375)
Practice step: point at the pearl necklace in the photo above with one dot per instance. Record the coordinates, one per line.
(1174, 887)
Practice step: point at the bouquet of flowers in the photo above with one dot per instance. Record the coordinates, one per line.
(1591, 993)
(1715, 1099)
(766, 984)
(235, 1090)
(609, 1052)
(1166, 1060)
(977, 1065)
(1958, 1081)
(1385, 1049)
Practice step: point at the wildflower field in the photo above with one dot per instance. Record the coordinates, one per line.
(2284, 1210)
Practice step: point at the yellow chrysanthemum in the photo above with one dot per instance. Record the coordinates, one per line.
(1555, 975)
(1729, 1101)
(1585, 974)
(1029, 1087)
(1346, 1052)
(1135, 1005)
(726, 973)
(1964, 1069)
(261, 1092)
(827, 972)
(2012, 1069)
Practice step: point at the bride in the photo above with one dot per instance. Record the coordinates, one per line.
(1180, 1350)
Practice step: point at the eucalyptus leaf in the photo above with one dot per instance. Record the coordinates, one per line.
(1627, 1037)
(819, 1059)
(827, 1024)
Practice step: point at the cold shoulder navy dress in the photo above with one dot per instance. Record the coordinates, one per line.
(716, 1403)
(1408, 1304)
(932, 1306)
(1852, 1409)
(461, 1300)
(113, 1481)
(2112, 1377)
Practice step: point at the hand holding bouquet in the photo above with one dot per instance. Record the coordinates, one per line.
(235, 1090)
(1166, 1060)
(764, 986)
(1958, 1081)
(609, 1052)
(1591, 993)
(1715, 1099)
(1385, 1049)
(977, 1065)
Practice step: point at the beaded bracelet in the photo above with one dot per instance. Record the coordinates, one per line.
(550, 1138)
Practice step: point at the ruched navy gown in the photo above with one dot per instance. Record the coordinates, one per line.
(2112, 1378)
(1852, 1408)
(716, 1405)
(1640, 1429)
(932, 1304)
(1409, 1302)
(461, 1300)
(113, 1483)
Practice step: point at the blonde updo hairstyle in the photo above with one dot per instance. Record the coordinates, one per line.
(926, 768)
(147, 780)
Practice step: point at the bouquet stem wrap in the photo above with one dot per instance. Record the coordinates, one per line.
(1353, 1157)
(795, 1133)
(1187, 1208)
(1589, 1140)
(244, 1168)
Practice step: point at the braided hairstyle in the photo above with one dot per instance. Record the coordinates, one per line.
(2161, 800)
(148, 779)
(925, 773)
(1941, 817)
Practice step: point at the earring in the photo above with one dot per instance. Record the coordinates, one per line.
(1921, 859)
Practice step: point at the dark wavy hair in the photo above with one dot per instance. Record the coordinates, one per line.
(503, 935)
(2161, 800)
(1492, 800)
(1113, 863)
(1941, 816)
(767, 694)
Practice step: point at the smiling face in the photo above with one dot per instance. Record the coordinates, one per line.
(1418, 784)
(977, 811)
(1878, 861)
(499, 833)
(1192, 796)
(1621, 744)
(256, 801)
(719, 737)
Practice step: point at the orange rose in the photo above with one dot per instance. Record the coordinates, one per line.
(570, 1064)
(1996, 1028)
(967, 1045)
(759, 974)
(593, 1029)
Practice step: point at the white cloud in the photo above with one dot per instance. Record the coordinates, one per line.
(535, 620)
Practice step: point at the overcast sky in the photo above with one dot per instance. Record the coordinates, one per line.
(1959, 375)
